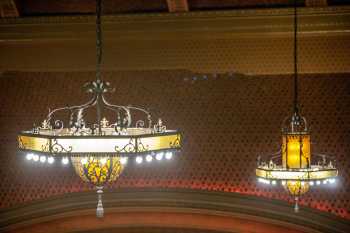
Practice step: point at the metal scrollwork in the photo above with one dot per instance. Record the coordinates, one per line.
(140, 124)
(130, 147)
(58, 148)
(45, 125)
(46, 147)
(21, 143)
(159, 127)
(141, 147)
(175, 143)
(36, 130)
(98, 86)
(121, 125)
(77, 125)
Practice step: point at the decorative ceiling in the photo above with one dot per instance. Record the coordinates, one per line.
(24, 8)
(227, 120)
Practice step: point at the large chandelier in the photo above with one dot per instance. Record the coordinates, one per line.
(292, 166)
(99, 150)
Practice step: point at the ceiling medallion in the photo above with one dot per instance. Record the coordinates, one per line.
(292, 166)
(99, 150)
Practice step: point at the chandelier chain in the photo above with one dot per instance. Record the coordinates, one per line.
(98, 61)
(295, 105)
(98, 40)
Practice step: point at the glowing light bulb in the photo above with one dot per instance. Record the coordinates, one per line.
(50, 160)
(332, 181)
(149, 158)
(168, 155)
(84, 161)
(311, 183)
(123, 160)
(273, 182)
(65, 161)
(103, 161)
(35, 158)
(283, 182)
(139, 159)
(302, 183)
(318, 182)
(325, 181)
(29, 156)
(43, 159)
(159, 156)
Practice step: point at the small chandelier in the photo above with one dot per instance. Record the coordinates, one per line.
(99, 150)
(292, 165)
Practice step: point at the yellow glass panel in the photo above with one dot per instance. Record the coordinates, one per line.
(34, 143)
(97, 170)
(296, 150)
(158, 142)
(296, 175)
(296, 188)
(323, 174)
(260, 173)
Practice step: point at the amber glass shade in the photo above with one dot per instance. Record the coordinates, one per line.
(97, 170)
(296, 150)
(296, 188)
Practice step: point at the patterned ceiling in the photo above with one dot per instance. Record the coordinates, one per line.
(57, 7)
(227, 120)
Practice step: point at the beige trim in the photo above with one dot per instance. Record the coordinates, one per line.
(166, 25)
(256, 42)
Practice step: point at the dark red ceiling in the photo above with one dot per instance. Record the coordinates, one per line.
(59, 7)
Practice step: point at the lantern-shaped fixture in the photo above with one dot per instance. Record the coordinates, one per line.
(292, 166)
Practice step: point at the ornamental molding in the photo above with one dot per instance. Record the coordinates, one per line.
(190, 24)
(246, 13)
(149, 201)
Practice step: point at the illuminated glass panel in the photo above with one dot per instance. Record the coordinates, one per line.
(296, 175)
(97, 170)
(159, 142)
(296, 150)
(34, 143)
(296, 188)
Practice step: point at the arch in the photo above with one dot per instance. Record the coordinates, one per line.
(168, 209)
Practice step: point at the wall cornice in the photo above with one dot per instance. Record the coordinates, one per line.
(257, 42)
(228, 205)
(190, 24)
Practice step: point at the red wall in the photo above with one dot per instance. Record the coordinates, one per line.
(227, 120)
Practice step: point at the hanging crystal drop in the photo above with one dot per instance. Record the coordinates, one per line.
(99, 209)
(296, 205)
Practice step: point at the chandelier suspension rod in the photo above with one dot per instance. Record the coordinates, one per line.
(295, 104)
(98, 61)
(98, 40)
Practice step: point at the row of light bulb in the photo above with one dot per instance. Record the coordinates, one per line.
(123, 160)
(311, 183)
(138, 159)
(44, 159)
(158, 156)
